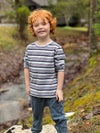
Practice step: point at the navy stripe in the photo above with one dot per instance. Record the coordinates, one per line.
(41, 90)
(42, 72)
(42, 78)
(40, 55)
(41, 66)
(44, 84)
(41, 60)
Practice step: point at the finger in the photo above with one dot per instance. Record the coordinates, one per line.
(56, 97)
(28, 92)
(60, 99)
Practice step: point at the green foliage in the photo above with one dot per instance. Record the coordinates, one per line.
(69, 8)
(22, 17)
(11, 15)
(23, 11)
(97, 24)
(97, 29)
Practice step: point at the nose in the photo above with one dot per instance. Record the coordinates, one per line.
(40, 26)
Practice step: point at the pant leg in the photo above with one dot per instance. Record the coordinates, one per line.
(37, 108)
(58, 115)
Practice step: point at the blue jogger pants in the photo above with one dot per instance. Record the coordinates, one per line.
(56, 110)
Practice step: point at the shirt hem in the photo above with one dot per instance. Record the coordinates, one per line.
(43, 96)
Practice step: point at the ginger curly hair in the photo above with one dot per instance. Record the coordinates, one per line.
(40, 13)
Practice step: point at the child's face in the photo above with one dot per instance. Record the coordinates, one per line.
(41, 28)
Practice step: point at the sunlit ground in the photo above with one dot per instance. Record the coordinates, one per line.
(76, 28)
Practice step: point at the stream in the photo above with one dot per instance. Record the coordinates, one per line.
(10, 105)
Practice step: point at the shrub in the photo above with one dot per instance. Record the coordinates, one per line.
(22, 16)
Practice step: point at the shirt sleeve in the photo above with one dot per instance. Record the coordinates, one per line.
(59, 59)
(26, 61)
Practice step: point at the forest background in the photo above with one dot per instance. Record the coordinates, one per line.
(80, 39)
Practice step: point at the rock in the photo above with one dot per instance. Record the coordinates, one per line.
(48, 129)
(97, 112)
(29, 109)
(89, 116)
(69, 114)
(3, 90)
(18, 129)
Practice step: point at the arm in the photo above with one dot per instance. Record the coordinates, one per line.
(59, 94)
(27, 81)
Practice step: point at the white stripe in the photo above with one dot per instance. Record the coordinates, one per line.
(41, 56)
(48, 63)
(59, 50)
(39, 51)
(36, 68)
(59, 55)
(42, 91)
(43, 80)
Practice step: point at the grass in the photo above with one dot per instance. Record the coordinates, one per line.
(69, 31)
(7, 42)
(10, 39)
(84, 29)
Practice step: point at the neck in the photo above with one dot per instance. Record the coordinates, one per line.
(43, 41)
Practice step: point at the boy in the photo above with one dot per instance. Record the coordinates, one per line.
(44, 71)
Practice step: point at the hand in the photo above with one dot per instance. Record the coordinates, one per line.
(28, 90)
(59, 95)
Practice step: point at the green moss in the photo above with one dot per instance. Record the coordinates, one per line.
(70, 51)
(27, 121)
(76, 80)
(84, 101)
(84, 91)
(88, 72)
(92, 62)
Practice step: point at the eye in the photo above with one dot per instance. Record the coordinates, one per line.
(43, 23)
(35, 25)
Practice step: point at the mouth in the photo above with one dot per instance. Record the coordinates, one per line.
(41, 31)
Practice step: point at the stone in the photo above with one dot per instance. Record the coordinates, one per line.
(48, 129)
(69, 114)
(18, 129)
(89, 116)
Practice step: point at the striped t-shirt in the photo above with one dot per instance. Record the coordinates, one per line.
(43, 63)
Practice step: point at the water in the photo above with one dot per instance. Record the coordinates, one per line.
(9, 25)
(10, 105)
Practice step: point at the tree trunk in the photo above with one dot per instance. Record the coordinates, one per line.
(92, 36)
(17, 3)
